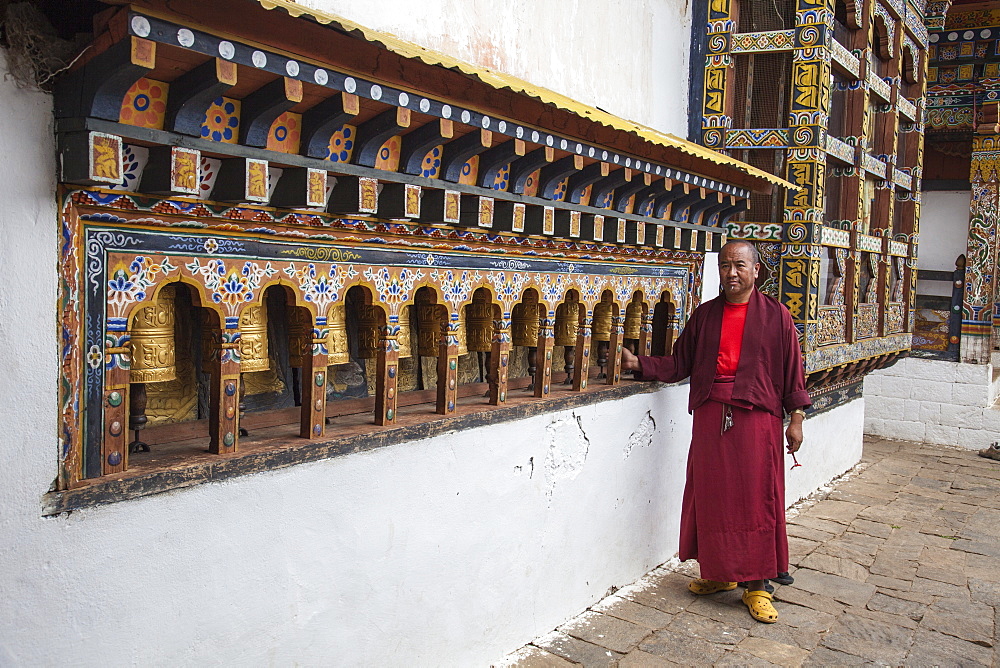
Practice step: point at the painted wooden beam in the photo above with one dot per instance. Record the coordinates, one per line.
(458, 151)
(192, 93)
(321, 121)
(417, 143)
(522, 168)
(261, 108)
(373, 133)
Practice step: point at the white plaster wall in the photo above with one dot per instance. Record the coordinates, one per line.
(944, 228)
(628, 57)
(932, 401)
(831, 444)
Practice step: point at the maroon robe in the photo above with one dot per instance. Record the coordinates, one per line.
(733, 512)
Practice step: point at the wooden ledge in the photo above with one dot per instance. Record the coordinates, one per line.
(186, 463)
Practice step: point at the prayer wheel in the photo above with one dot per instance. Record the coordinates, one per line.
(461, 333)
(602, 322)
(429, 318)
(567, 323)
(403, 339)
(336, 341)
(153, 352)
(479, 326)
(152, 340)
(300, 337)
(633, 320)
(253, 339)
(368, 331)
(524, 324)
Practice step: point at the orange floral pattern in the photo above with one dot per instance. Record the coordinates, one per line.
(388, 154)
(145, 104)
(285, 133)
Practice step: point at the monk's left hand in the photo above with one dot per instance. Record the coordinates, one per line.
(793, 435)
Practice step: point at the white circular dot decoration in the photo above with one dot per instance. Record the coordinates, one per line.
(140, 26)
(952, 36)
(534, 136)
(591, 152)
(934, 38)
(502, 126)
(658, 169)
(579, 149)
(292, 68)
(549, 140)
(486, 122)
(425, 105)
(466, 116)
(376, 92)
(968, 34)
(350, 85)
(628, 163)
(227, 50)
(321, 77)
(519, 132)
(617, 158)
(563, 144)
(604, 155)
(185, 37)
(985, 34)
(259, 59)
(404, 99)
(446, 111)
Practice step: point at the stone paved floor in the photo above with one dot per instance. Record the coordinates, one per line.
(899, 564)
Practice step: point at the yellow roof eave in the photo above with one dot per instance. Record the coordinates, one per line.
(500, 80)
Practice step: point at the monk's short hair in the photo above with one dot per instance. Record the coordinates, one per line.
(743, 242)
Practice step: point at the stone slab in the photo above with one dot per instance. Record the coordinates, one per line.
(530, 656)
(897, 606)
(844, 590)
(967, 620)
(777, 653)
(696, 626)
(681, 648)
(935, 649)
(643, 615)
(577, 651)
(605, 631)
(639, 659)
(869, 639)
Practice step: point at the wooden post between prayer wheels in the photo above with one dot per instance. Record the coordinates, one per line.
(583, 342)
(646, 336)
(447, 365)
(223, 411)
(499, 361)
(314, 378)
(387, 373)
(114, 441)
(615, 350)
(546, 340)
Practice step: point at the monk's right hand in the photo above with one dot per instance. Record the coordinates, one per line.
(629, 361)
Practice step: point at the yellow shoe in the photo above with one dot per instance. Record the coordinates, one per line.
(703, 587)
(759, 604)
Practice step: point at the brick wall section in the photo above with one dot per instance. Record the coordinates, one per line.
(946, 403)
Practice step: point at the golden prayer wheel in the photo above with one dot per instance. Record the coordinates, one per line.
(336, 340)
(300, 337)
(524, 324)
(567, 323)
(253, 339)
(152, 340)
(633, 320)
(479, 326)
(461, 332)
(430, 318)
(368, 331)
(602, 321)
(404, 338)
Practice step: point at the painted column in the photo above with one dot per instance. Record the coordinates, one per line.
(447, 365)
(806, 167)
(546, 340)
(500, 358)
(114, 444)
(223, 411)
(581, 370)
(716, 110)
(978, 305)
(312, 422)
(615, 350)
(387, 372)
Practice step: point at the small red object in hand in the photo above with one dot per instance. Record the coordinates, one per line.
(794, 459)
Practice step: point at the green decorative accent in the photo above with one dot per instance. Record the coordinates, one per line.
(619, 347)
(503, 396)
(389, 414)
(115, 398)
(229, 439)
(452, 364)
(583, 384)
(548, 354)
(319, 379)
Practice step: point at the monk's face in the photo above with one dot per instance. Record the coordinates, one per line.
(737, 272)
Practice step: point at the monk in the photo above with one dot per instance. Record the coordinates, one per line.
(741, 351)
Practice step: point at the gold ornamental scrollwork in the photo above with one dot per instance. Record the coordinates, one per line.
(320, 254)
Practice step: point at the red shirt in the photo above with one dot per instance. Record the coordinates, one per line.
(734, 317)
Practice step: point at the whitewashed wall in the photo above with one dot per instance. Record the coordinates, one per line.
(448, 551)
(628, 57)
(944, 235)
